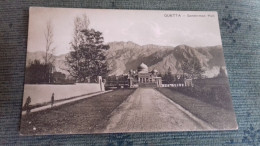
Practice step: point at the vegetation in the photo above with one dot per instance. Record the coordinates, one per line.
(37, 73)
(215, 95)
(214, 91)
(222, 73)
(67, 118)
(41, 73)
(216, 116)
(209, 100)
(169, 78)
(192, 68)
(87, 59)
(49, 50)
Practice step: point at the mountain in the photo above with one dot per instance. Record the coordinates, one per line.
(124, 56)
(59, 64)
(31, 56)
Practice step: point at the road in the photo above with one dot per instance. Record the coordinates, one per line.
(147, 110)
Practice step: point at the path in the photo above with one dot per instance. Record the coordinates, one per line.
(148, 110)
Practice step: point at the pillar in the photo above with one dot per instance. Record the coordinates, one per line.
(130, 82)
(99, 78)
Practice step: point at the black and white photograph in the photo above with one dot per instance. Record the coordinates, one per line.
(122, 71)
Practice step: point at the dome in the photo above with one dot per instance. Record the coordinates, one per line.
(143, 68)
(155, 71)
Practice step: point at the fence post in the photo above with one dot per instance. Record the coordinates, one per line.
(99, 78)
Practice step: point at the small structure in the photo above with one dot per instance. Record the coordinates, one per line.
(144, 77)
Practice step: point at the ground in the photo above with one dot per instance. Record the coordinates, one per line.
(147, 110)
(83, 116)
(123, 110)
(218, 117)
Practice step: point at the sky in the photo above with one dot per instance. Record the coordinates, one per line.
(166, 28)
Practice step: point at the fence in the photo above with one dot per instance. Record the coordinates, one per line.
(42, 93)
(186, 83)
(173, 85)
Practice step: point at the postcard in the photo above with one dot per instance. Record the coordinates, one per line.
(122, 71)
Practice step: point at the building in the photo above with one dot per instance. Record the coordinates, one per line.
(143, 78)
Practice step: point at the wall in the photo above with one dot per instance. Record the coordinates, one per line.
(43, 92)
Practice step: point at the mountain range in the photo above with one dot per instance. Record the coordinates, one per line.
(124, 56)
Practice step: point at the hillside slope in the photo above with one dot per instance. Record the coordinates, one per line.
(124, 56)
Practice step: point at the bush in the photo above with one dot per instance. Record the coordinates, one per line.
(38, 73)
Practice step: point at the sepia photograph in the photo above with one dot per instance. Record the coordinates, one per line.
(122, 71)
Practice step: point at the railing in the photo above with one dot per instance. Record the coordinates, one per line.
(173, 85)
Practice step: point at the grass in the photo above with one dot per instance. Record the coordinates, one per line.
(83, 116)
(55, 101)
(211, 102)
(213, 91)
(218, 117)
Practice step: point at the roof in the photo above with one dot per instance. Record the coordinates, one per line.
(143, 66)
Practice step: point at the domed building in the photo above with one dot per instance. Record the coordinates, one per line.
(145, 78)
(142, 68)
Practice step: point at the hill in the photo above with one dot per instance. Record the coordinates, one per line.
(124, 56)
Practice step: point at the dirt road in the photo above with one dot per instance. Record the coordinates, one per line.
(149, 110)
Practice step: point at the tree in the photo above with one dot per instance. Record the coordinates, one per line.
(222, 73)
(168, 77)
(49, 50)
(87, 58)
(37, 73)
(72, 60)
(185, 66)
(80, 24)
(192, 67)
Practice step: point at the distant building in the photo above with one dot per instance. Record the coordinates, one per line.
(144, 78)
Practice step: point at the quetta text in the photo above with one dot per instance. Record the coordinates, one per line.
(177, 15)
